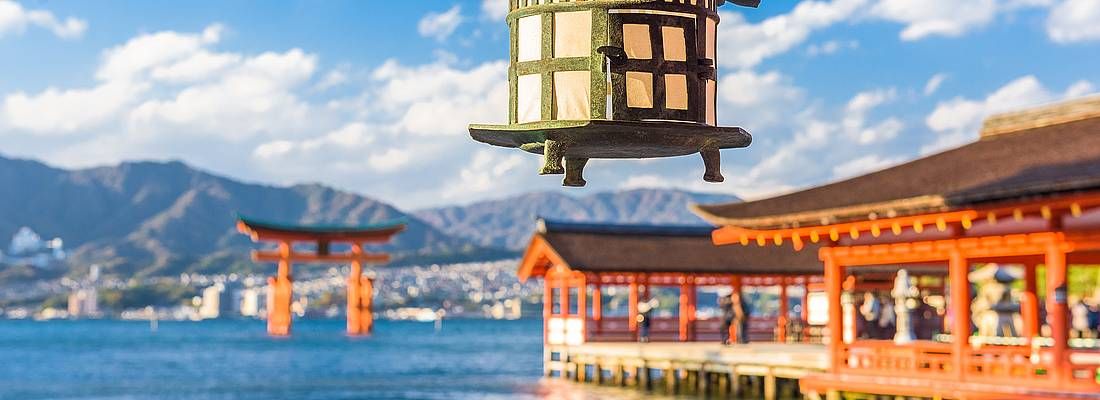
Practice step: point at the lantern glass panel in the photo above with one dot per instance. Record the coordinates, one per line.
(639, 89)
(573, 34)
(675, 43)
(637, 42)
(529, 38)
(572, 94)
(712, 91)
(676, 92)
(529, 98)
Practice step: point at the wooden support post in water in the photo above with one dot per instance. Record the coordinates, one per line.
(769, 386)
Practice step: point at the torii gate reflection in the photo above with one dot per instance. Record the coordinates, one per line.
(360, 289)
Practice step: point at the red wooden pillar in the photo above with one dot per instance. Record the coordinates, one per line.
(1029, 304)
(685, 308)
(597, 307)
(959, 271)
(366, 301)
(1057, 310)
(784, 312)
(632, 306)
(805, 300)
(834, 275)
(280, 292)
(360, 290)
(693, 305)
(582, 303)
(547, 306)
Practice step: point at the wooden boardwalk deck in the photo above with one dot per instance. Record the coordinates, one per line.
(696, 368)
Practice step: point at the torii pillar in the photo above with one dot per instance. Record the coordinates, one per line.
(360, 289)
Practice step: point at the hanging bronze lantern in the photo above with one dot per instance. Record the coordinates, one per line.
(614, 79)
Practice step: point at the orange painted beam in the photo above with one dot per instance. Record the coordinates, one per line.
(941, 250)
(1051, 210)
(276, 256)
(798, 236)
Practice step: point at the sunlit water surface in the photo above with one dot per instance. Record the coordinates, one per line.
(237, 360)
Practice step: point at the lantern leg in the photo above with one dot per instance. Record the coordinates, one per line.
(552, 153)
(574, 172)
(712, 161)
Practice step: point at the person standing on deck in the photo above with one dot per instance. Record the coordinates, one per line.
(742, 311)
(645, 310)
(725, 305)
(869, 311)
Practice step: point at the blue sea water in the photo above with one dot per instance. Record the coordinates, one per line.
(466, 359)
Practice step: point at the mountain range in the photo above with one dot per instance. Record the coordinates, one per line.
(165, 218)
(507, 223)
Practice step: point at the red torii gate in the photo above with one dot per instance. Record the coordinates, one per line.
(360, 288)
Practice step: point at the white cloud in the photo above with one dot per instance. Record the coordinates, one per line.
(934, 83)
(389, 160)
(437, 99)
(489, 170)
(862, 165)
(59, 112)
(333, 79)
(196, 67)
(950, 18)
(1074, 21)
(256, 97)
(756, 99)
(494, 9)
(831, 47)
(274, 149)
(16, 19)
(645, 181)
(440, 26)
(143, 53)
(744, 45)
(855, 118)
(958, 120)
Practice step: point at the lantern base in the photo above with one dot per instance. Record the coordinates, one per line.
(577, 141)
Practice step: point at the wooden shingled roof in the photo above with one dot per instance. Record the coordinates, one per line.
(659, 249)
(1043, 152)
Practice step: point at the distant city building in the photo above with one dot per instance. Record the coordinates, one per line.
(84, 303)
(28, 248)
(216, 302)
(251, 301)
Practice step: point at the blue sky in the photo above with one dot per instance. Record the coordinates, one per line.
(374, 96)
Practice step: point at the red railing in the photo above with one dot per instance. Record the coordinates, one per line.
(884, 357)
(1018, 365)
(667, 329)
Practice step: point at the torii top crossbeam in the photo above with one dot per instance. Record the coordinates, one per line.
(320, 235)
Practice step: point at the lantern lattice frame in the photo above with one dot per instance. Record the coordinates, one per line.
(662, 95)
